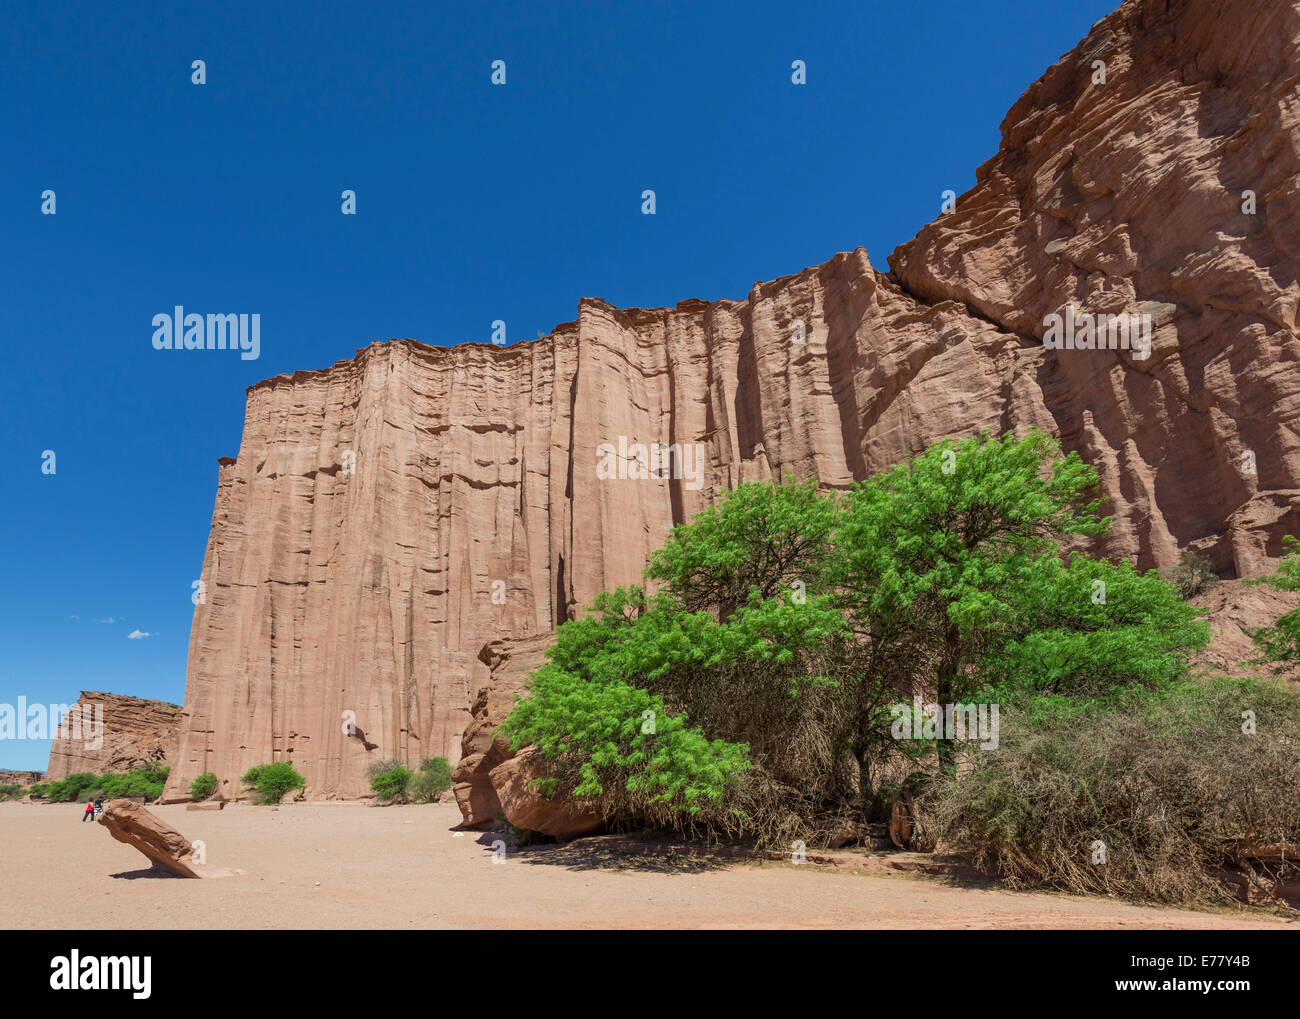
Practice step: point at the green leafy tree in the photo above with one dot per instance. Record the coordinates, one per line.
(203, 786)
(785, 622)
(271, 781)
(76, 787)
(956, 567)
(431, 781)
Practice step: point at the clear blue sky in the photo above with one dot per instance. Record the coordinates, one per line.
(475, 202)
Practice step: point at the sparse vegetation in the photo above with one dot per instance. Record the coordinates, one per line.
(1279, 644)
(1193, 574)
(1147, 801)
(269, 782)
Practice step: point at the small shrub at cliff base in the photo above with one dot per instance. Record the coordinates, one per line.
(1280, 643)
(431, 781)
(203, 786)
(8, 792)
(271, 781)
(1193, 574)
(389, 779)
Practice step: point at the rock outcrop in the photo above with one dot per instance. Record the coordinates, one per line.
(388, 516)
(1233, 610)
(21, 778)
(1172, 188)
(510, 663)
(109, 732)
(524, 807)
(167, 849)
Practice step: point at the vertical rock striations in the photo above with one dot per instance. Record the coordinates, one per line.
(389, 516)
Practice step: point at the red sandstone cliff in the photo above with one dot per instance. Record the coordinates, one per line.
(358, 536)
(112, 732)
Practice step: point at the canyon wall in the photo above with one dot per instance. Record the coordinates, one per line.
(134, 731)
(390, 515)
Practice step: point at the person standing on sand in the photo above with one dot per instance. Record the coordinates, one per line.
(90, 812)
(99, 807)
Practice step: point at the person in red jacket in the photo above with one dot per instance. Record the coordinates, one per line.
(89, 815)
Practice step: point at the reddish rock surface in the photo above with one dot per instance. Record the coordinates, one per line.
(524, 807)
(510, 663)
(167, 849)
(376, 506)
(1130, 196)
(135, 732)
(1234, 609)
(22, 778)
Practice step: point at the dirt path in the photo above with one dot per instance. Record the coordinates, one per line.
(328, 866)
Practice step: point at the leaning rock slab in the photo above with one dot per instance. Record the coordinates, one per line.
(168, 850)
(527, 808)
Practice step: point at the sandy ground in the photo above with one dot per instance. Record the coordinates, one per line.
(345, 866)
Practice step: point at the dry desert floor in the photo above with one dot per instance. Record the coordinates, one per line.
(350, 866)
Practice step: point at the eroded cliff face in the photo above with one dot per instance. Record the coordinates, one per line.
(1173, 188)
(389, 516)
(21, 778)
(111, 732)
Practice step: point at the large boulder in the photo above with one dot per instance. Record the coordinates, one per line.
(167, 849)
(511, 663)
(525, 807)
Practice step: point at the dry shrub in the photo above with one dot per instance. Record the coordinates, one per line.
(1171, 786)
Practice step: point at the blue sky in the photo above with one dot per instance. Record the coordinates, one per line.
(475, 202)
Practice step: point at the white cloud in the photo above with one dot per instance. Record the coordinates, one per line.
(110, 619)
(139, 635)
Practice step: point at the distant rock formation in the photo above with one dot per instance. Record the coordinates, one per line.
(22, 778)
(388, 516)
(134, 731)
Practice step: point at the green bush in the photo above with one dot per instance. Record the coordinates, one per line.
(203, 786)
(269, 782)
(431, 781)
(146, 781)
(390, 778)
(10, 791)
(155, 771)
(76, 788)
